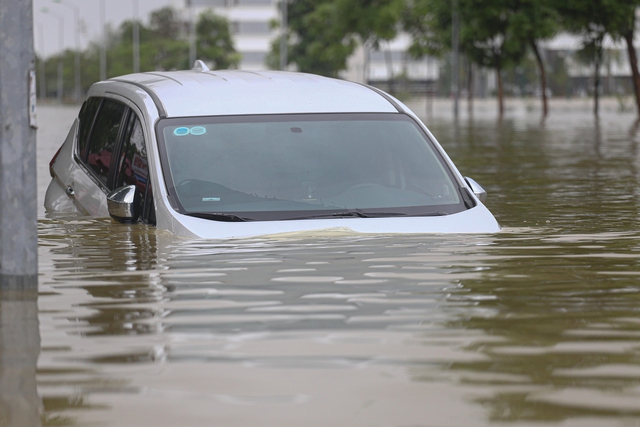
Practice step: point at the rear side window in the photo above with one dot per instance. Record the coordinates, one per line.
(104, 136)
(85, 118)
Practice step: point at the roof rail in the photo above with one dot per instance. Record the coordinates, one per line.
(200, 66)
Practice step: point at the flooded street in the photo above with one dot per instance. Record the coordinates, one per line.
(538, 325)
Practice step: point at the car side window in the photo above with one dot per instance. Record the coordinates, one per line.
(132, 167)
(104, 137)
(85, 119)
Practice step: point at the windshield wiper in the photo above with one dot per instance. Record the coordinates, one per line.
(217, 216)
(360, 214)
(229, 217)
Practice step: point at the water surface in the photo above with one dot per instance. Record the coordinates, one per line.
(536, 325)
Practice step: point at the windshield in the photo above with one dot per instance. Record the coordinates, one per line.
(271, 167)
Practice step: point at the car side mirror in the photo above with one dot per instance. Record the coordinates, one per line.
(124, 204)
(477, 189)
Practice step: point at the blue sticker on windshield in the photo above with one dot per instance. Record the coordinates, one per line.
(198, 130)
(181, 131)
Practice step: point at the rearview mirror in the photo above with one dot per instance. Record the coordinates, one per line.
(477, 189)
(124, 204)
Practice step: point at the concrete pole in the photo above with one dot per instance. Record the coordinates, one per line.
(283, 35)
(18, 189)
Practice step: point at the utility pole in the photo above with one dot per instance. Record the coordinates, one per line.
(103, 45)
(284, 30)
(43, 83)
(18, 192)
(60, 90)
(192, 35)
(77, 89)
(136, 38)
(455, 63)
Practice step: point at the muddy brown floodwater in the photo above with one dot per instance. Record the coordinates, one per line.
(538, 325)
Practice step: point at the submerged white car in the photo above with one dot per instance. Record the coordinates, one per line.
(222, 154)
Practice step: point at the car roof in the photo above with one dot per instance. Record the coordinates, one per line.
(202, 92)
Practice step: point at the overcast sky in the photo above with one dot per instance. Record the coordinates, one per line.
(46, 24)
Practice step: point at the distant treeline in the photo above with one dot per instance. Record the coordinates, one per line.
(322, 34)
(163, 45)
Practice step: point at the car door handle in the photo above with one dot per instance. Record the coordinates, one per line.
(70, 191)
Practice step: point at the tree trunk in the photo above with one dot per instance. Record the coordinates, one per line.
(635, 74)
(543, 77)
(500, 91)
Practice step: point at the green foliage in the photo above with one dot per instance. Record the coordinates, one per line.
(489, 36)
(429, 23)
(493, 33)
(322, 34)
(534, 20)
(594, 19)
(316, 43)
(165, 23)
(213, 41)
(163, 46)
(369, 20)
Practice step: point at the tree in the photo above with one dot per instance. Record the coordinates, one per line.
(322, 34)
(370, 21)
(535, 20)
(314, 42)
(593, 20)
(165, 23)
(213, 41)
(429, 22)
(489, 36)
(624, 27)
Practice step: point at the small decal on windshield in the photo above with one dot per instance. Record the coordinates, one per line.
(198, 130)
(181, 131)
(211, 199)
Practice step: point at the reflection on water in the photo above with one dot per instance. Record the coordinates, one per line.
(19, 348)
(537, 325)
